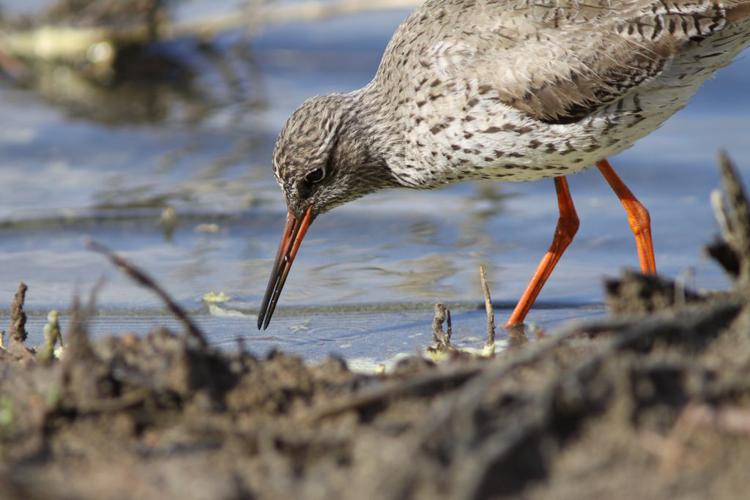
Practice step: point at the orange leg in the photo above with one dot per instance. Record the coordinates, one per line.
(638, 218)
(567, 226)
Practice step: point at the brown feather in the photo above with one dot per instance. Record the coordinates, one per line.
(584, 68)
(739, 13)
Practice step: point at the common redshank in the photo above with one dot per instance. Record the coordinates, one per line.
(508, 90)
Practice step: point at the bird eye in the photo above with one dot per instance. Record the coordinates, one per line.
(315, 176)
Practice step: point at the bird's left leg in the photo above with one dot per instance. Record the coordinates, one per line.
(567, 226)
(638, 217)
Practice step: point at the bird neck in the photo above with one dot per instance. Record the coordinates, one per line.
(374, 126)
(367, 136)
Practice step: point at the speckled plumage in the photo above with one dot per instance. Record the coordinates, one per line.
(513, 90)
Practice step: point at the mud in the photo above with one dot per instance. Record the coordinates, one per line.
(653, 402)
(653, 407)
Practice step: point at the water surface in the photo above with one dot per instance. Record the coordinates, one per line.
(70, 172)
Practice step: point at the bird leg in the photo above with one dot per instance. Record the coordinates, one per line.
(567, 226)
(638, 217)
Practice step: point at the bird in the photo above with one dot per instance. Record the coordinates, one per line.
(505, 90)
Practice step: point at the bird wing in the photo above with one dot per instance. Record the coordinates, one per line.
(558, 60)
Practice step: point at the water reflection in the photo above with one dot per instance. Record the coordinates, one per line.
(110, 62)
(204, 151)
(121, 103)
(422, 277)
(486, 202)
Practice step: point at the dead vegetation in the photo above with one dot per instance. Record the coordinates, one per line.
(653, 402)
(138, 61)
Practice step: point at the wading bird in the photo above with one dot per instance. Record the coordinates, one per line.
(511, 90)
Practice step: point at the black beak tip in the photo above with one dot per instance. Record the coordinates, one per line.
(264, 318)
(291, 239)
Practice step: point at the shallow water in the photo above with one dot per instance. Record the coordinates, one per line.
(68, 173)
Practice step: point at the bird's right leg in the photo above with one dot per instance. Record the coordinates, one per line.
(567, 226)
(638, 217)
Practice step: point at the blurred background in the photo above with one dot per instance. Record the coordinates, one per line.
(148, 125)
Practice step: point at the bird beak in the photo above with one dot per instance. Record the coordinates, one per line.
(291, 240)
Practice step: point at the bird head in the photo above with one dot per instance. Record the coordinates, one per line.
(325, 156)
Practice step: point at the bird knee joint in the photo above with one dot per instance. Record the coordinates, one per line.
(567, 227)
(573, 224)
(640, 219)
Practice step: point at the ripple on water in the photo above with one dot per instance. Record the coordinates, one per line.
(64, 179)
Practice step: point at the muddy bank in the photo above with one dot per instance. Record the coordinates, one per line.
(652, 402)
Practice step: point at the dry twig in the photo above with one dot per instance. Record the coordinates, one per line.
(733, 215)
(268, 15)
(146, 281)
(17, 329)
(79, 348)
(442, 338)
(490, 343)
(51, 336)
(74, 43)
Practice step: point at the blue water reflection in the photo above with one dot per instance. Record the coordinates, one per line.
(64, 179)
